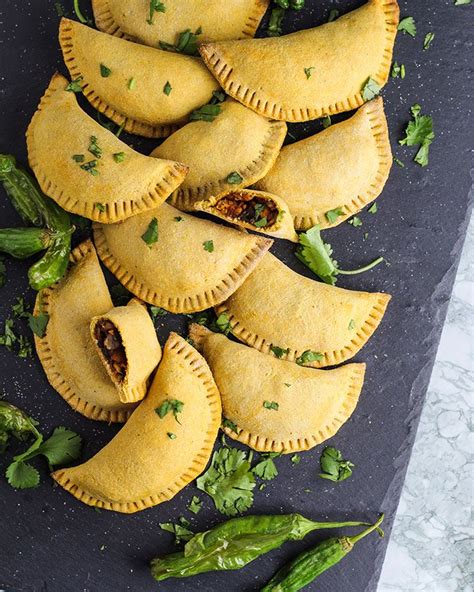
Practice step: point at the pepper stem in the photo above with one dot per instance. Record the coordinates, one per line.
(355, 539)
(361, 269)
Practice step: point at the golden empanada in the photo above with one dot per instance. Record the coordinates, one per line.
(311, 73)
(66, 351)
(193, 264)
(234, 151)
(164, 445)
(232, 19)
(256, 210)
(126, 342)
(313, 323)
(167, 86)
(341, 169)
(86, 169)
(273, 405)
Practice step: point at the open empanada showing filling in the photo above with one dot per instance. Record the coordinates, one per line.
(332, 175)
(149, 91)
(273, 405)
(211, 19)
(307, 322)
(164, 445)
(176, 261)
(234, 150)
(66, 350)
(255, 210)
(86, 169)
(311, 73)
(126, 342)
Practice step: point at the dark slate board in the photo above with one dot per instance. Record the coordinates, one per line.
(51, 542)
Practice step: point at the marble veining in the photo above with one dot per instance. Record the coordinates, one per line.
(432, 543)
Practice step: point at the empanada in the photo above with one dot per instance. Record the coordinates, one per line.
(164, 445)
(273, 405)
(311, 73)
(234, 151)
(168, 86)
(256, 210)
(86, 169)
(232, 19)
(126, 343)
(193, 264)
(314, 324)
(341, 169)
(66, 351)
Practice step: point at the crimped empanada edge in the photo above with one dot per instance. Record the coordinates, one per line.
(330, 358)
(53, 374)
(130, 125)
(184, 197)
(378, 123)
(261, 104)
(194, 302)
(112, 212)
(105, 22)
(198, 366)
(264, 444)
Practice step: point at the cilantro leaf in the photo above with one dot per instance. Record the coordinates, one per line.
(408, 25)
(170, 406)
(398, 70)
(370, 89)
(295, 459)
(167, 88)
(38, 324)
(75, 85)
(266, 469)
(275, 23)
(333, 466)
(429, 38)
(355, 221)
(309, 356)
(9, 337)
(223, 323)
(234, 178)
(181, 533)
(327, 122)
(208, 246)
(150, 236)
(21, 475)
(105, 72)
(373, 208)
(309, 72)
(61, 447)
(119, 156)
(273, 405)
(462, 2)
(195, 505)
(229, 481)
(278, 352)
(15, 422)
(226, 423)
(419, 132)
(157, 311)
(333, 15)
(205, 113)
(333, 215)
(187, 43)
(155, 6)
(132, 84)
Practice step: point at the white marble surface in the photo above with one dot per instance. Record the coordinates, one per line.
(431, 549)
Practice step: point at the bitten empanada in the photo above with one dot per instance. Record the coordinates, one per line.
(273, 405)
(164, 445)
(314, 324)
(255, 210)
(66, 351)
(234, 151)
(232, 19)
(193, 264)
(167, 86)
(126, 343)
(311, 73)
(86, 169)
(341, 169)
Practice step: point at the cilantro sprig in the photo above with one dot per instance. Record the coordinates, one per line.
(333, 466)
(419, 132)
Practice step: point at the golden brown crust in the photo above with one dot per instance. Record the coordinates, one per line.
(262, 98)
(191, 363)
(47, 354)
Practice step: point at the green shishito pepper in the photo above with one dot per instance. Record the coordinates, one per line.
(312, 563)
(235, 543)
(38, 210)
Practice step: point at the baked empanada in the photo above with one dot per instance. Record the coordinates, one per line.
(339, 170)
(234, 151)
(193, 264)
(164, 445)
(312, 323)
(311, 73)
(273, 405)
(232, 19)
(66, 351)
(126, 342)
(167, 85)
(256, 210)
(86, 169)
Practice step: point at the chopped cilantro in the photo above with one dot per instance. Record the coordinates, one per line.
(205, 113)
(105, 72)
(327, 121)
(100, 206)
(261, 223)
(208, 246)
(333, 215)
(223, 323)
(398, 162)
(356, 222)
(226, 423)
(278, 352)
(370, 89)
(408, 25)
(178, 218)
(398, 70)
(195, 505)
(119, 156)
(429, 38)
(296, 459)
(19, 309)
(131, 84)
(171, 436)
(180, 530)
(333, 466)
(229, 481)
(155, 6)
(373, 208)
(150, 236)
(90, 167)
(351, 325)
(167, 88)
(419, 132)
(94, 148)
(38, 324)
(9, 338)
(309, 356)
(273, 405)
(157, 311)
(78, 157)
(170, 406)
(75, 85)
(275, 23)
(333, 15)
(234, 178)
(309, 72)
(25, 349)
(187, 43)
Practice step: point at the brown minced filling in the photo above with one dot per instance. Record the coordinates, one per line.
(248, 208)
(110, 343)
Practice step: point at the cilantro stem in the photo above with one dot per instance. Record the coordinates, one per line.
(78, 12)
(361, 269)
